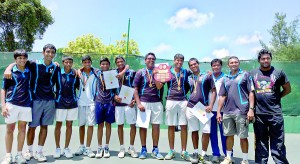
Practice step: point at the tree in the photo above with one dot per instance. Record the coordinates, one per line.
(85, 44)
(21, 22)
(285, 40)
(90, 44)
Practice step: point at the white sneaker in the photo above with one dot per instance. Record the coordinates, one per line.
(122, 153)
(57, 153)
(19, 159)
(226, 161)
(88, 152)
(7, 159)
(67, 153)
(132, 152)
(106, 152)
(28, 155)
(40, 157)
(100, 152)
(80, 150)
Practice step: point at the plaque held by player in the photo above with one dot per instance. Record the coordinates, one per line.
(163, 73)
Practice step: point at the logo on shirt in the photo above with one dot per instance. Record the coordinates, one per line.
(264, 84)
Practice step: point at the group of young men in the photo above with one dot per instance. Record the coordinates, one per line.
(40, 92)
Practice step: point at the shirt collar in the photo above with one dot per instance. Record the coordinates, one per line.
(15, 69)
(70, 73)
(173, 70)
(219, 77)
(42, 62)
(234, 76)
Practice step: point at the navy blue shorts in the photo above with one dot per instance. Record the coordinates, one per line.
(104, 112)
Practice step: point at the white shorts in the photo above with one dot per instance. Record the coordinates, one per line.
(18, 113)
(66, 114)
(127, 112)
(176, 113)
(86, 115)
(156, 111)
(194, 124)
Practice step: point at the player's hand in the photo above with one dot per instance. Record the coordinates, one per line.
(219, 117)
(118, 99)
(250, 115)
(209, 72)
(56, 63)
(131, 105)
(79, 73)
(208, 109)
(8, 74)
(141, 107)
(4, 112)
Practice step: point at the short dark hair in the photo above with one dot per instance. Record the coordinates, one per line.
(150, 53)
(67, 58)
(262, 52)
(119, 57)
(105, 60)
(216, 61)
(50, 46)
(86, 57)
(178, 56)
(233, 57)
(193, 59)
(20, 52)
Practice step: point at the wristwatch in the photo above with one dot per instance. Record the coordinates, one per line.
(252, 108)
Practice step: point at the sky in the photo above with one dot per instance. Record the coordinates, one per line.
(195, 28)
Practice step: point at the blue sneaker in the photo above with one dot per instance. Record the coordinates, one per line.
(143, 154)
(156, 154)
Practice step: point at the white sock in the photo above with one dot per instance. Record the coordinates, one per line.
(245, 156)
(99, 146)
(40, 149)
(30, 147)
(87, 148)
(8, 154)
(228, 154)
(82, 145)
(106, 145)
(203, 153)
(122, 146)
(196, 151)
(131, 146)
(19, 153)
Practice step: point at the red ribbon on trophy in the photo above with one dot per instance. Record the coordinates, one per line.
(163, 73)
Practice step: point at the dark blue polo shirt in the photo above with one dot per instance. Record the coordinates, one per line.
(204, 84)
(127, 81)
(44, 78)
(236, 88)
(18, 88)
(103, 95)
(147, 93)
(67, 97)
(173, 92)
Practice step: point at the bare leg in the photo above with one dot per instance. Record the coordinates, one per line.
(143, 136)
(9, 137)
(244, 145)
(68, 133)
(43, 135)
(132, 133)
(100, 133)
(229, 143)
(30, 135)
(89, 136)
(81, 134)
(183, 137)
(121, 134)
(195, 139)
(108, 131)
(57, 133)
(155, 134)
(171, 136)
(205, 141)
(21, 134)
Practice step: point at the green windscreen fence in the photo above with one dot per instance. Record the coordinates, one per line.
(290, 103)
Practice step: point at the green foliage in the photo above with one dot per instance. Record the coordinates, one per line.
(21, 22)
(285, 41)
(88, 44)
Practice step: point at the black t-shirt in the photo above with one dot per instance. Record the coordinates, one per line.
(267, 86)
